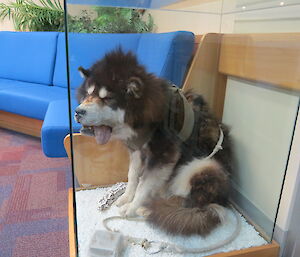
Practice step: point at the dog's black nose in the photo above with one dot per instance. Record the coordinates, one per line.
(79, 112)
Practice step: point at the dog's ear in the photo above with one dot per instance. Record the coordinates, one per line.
(134, 87)
(83, 72)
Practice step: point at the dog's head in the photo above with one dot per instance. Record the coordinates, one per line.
(114, 97)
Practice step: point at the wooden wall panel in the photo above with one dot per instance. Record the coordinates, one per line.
(269, 250)
(203, 76)
(269, 58)
(96, 165)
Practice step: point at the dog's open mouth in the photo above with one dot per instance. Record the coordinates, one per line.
(101, 133)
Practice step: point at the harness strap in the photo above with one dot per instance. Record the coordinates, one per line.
(218, 146)
(169, 121)
(173, 110)
(189, 119)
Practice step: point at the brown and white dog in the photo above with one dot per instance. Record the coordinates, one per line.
(169, 180)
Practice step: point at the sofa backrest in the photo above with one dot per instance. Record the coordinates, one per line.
(164, 54)
(28, 56)
(84, 50)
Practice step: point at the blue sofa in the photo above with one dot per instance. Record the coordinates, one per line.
(33, 79)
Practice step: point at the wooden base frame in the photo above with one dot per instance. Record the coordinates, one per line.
(269, 250)
(20, 123)
(71, 221)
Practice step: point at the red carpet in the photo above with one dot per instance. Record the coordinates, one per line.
(33, 199)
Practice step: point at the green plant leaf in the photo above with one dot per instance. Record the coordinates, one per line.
(47, 15)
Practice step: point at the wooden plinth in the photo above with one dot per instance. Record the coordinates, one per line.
(94, 164)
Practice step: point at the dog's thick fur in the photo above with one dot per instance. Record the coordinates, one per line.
(169, 181)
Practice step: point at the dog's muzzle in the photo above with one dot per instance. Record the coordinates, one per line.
(79, 113)
(102, 133)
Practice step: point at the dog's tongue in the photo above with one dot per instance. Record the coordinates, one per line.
(102, 134)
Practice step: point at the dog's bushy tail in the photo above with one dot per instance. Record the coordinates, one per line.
(200, 193)
(171, 216)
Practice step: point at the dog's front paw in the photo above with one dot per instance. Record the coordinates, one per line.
(123, 199)
(128, 210)
(143, 212)
(123, 209)
(131, 211)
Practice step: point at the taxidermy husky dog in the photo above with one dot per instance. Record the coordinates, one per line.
(173, 179)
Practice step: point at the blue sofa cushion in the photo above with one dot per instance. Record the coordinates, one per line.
(85, 50)
(8, 83)
(28, 56)
(30, 101)
(166, 54)
(56, 127)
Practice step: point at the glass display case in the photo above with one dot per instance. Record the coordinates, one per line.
(126, 63)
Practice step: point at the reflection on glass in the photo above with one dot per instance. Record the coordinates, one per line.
(236, 73)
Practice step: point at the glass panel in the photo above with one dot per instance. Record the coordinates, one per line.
(249, 81)
(256, 111)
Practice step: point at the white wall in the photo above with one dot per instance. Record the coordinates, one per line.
(200, 19)
(198, 23)
(261, 121)
(280, 19)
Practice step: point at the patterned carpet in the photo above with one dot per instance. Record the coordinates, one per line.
(33, 199)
